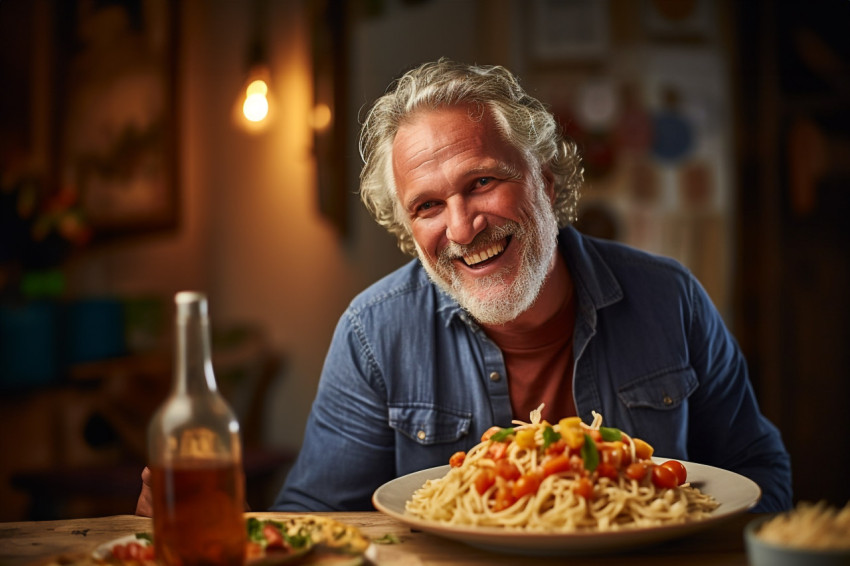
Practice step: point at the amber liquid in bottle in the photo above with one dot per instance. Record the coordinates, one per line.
(198, 481)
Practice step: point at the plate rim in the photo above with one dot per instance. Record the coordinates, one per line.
(516, 541)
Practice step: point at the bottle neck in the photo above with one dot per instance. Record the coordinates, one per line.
(193, 369)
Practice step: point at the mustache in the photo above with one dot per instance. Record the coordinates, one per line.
(483, 240)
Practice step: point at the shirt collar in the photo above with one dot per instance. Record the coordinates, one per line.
(592, 277)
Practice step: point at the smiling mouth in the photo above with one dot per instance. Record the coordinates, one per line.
(479, 258)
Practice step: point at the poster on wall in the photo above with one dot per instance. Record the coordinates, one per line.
(116, 123)
(563, 30)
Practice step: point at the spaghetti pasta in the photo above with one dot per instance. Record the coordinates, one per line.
(565, 477)
(810, 526)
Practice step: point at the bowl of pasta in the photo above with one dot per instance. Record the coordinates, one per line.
(811, 534)
(565, 487)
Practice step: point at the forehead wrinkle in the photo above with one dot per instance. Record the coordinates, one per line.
(433, 155)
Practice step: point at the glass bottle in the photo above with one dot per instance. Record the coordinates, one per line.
(195, 453)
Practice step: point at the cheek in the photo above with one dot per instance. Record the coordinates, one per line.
(513, 205)
(428, 236)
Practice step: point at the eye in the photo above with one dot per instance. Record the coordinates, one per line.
(426, 206)
(483, 181)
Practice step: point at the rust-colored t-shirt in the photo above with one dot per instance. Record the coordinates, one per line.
(540, 365)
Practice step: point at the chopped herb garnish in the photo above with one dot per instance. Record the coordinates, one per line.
(610, 434)
(255, 530)
(300, 540)
(550, 436)
(589, 454)
(388, 538)
(502, 435)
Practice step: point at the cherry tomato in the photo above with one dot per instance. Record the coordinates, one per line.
(677, 468)
(457, 459)
(274, 538)
(133, 550)
(484, 480)
(490, 432)
(635, 471)
(664, 478)
(557, 447)
(498, 450)
(583, 488)
(507, 470)
(504, 498)
(147, 552)
(606, 470)
(120, 552)
(612, 453)
(526, 485)
(556, 465)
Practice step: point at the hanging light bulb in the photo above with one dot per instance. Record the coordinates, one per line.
(256, 105)
(254, 108)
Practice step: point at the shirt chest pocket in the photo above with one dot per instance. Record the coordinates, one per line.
(665, 390)
(429, 425)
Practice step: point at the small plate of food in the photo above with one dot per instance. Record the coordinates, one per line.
(270, 540)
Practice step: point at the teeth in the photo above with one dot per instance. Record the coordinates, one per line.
(483, 255)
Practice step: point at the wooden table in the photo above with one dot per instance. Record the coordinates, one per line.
(41, 542)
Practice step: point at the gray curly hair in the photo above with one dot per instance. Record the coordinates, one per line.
(524, 121)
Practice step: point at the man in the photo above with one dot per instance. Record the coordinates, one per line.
(507, 306)
(503, 310)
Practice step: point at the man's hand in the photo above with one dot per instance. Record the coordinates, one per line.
(144, 506)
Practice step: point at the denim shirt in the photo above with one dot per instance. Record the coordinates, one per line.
(410, 379)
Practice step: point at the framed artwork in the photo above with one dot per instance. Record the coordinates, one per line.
(565, 30)
(116, 122)
(330, 36)
(680, 19)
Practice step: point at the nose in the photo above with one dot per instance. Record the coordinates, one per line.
(463, 223)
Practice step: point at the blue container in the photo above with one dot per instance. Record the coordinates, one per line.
(28, 345)
(94, 330)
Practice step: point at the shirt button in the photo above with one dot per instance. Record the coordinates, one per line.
(421, 435)
(667, 400)
(495, 376)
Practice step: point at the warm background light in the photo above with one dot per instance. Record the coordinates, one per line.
(253, 108)
(256, 105)
(322, 117)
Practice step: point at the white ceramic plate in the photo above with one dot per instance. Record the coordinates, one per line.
(104, 551)
(735, 493)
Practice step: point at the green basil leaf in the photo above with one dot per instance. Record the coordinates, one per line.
(589, 454)
(255, 530)
(610, 434)
(502, 435)
(388, 538)
(299, 540)
(550, 436)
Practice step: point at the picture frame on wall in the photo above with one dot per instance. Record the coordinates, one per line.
(680, 20)
(116, 124)
(330, 46)
(568, 30)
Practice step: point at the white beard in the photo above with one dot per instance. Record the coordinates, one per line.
(492, 299)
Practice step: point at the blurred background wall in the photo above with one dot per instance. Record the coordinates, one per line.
(713, 131)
